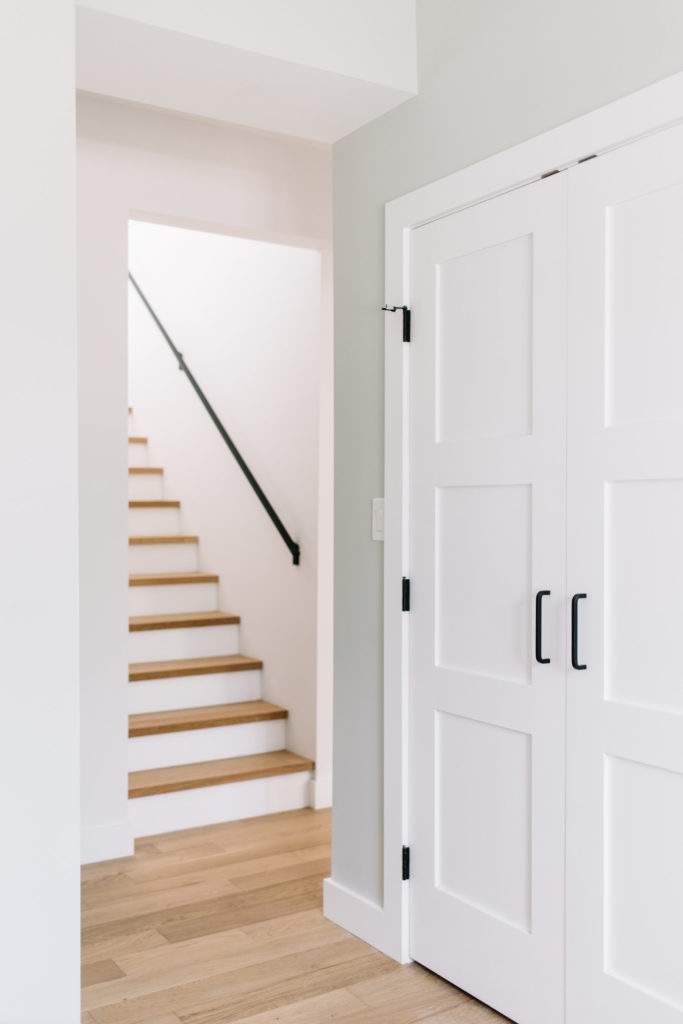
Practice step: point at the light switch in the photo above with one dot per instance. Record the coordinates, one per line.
(378, 518)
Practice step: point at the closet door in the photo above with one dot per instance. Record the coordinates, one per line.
(487, 514)
(625, 553)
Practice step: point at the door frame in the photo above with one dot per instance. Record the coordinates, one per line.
(652, 109)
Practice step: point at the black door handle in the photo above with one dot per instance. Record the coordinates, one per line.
(575, 631)
(539, 627)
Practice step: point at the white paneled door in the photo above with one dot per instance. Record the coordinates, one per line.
(625, 552)
(487, 495)
(546, 558)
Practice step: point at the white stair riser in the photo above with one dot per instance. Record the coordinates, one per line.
(143, 522)
(145, 558)
(195, 745)
(138, 455)
(145, 486)
(193, 691)
(210, 805)
(173, 598)
(195, 642)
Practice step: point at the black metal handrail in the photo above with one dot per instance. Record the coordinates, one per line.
(182, 365)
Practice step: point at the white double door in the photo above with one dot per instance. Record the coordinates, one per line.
(546, 462)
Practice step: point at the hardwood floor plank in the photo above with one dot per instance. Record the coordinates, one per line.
(99, 971)
(237, 870)
(222, 913)
(412, 994)
(122, 945)
(470, 1012)
(242, 856)
(331, 1006)
(302, 985)
(289, 873)
(404, 1014)
(232, 834)
(225, 996)
(235, 912)
(224, 925)
(143, 903)
(201, 960)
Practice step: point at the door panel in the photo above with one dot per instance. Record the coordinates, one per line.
(487, 513)
(625, 552)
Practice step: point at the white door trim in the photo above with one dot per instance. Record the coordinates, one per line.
(651, 109)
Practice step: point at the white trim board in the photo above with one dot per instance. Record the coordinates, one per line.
(651, 109)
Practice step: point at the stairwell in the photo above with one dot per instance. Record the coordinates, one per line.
(203, 746)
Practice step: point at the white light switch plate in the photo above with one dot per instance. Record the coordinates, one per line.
(378, 518)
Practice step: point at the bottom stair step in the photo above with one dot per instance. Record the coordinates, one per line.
(155, 781)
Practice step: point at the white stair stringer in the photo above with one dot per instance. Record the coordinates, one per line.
(195, 745)
(193, 691)
(173, 599)
(210, 805)
(194, 642)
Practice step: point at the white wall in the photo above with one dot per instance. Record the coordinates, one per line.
(39, 944)
(146, 164)
(246, 316)
(492, 73)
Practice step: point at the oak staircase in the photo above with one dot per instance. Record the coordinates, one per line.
(204, 747)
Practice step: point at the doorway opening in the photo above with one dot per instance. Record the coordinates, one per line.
(247, 631)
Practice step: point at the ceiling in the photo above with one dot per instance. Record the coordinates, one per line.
(317, 69)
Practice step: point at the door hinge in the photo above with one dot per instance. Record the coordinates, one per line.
(406, 318)
(405, 594)
(405, 873)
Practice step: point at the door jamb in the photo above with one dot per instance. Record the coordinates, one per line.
(619, 123)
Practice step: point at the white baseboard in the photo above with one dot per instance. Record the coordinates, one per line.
(361, 917)
(106, 842)
(320, 792)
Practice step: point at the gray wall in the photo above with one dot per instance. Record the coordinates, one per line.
(492, 73)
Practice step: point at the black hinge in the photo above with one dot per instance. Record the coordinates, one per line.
(405, 594)
(405, 874)
(406, 318)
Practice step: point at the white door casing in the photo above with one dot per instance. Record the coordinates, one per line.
(487, 514)
(625, 552)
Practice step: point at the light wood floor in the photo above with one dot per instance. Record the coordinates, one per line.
(224, 924)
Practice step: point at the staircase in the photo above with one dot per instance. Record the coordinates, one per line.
(203, 746)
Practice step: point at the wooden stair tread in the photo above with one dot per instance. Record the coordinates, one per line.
(144, 469)
(140, 670)
(159, 579)
(171, 538)
(215, 773)
(137, 440)
(181, 620)
(153, 504)
(184, 719)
